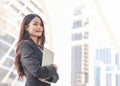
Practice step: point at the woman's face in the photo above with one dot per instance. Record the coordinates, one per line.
(35, 27)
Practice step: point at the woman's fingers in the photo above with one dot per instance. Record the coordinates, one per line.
(55, 66)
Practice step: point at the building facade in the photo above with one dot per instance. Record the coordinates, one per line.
(80, 48)
(107, 67)
(11, 14)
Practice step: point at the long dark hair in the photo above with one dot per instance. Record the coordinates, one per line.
(24, 35)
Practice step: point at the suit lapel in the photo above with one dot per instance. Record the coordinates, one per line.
(35, 46)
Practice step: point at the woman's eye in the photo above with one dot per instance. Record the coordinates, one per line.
(38, 24)
(35, 24)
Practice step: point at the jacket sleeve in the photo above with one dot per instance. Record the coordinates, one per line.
(29, 60)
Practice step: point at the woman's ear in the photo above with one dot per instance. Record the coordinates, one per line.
(26, 27)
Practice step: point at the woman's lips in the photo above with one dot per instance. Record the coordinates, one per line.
(38, 31)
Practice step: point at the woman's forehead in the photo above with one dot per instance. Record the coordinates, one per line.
(36, 20)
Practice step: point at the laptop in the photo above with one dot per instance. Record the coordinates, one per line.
(48, 57)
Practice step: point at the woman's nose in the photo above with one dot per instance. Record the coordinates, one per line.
(39, 26)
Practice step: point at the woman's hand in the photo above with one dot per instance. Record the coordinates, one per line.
(42, 79)
(55, 66)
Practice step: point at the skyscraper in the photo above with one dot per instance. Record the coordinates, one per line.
(80, 47)
(106, 67)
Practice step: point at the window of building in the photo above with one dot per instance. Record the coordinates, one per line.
(86, 47)
(8, 63)
(117, 60)
(29, 10)
(12, 53)
(11, 78)
(76, 51)
(22, 15)
(86, 35)
(12, 75)
(21, 3)
(14, 8)
(97, 73)
(77, 36)
(77, 11)
(3, 73)
(86, 77)
(76, 61)
(108, 80)
(6, 37)
(3, 24)
(35, 5)
(77, 24)
(117, 79)
(3, 49)
(104, 55)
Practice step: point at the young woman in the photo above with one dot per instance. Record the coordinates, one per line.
(28, 58)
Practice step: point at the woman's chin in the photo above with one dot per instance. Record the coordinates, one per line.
(39, 35)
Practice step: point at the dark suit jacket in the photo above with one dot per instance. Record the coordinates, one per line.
(31, 60)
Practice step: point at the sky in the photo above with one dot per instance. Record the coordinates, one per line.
(106, 10)
(60, 19)
(109, 16)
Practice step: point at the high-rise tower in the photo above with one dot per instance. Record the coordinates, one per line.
(80, 47)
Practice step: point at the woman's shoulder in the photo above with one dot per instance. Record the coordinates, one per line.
(26, 42)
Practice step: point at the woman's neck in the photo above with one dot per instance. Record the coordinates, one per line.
(35, 39)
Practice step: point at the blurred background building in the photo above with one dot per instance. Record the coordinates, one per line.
(80, 47)
(107, 67)
(11, 14)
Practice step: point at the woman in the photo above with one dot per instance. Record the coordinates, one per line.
(28, 58)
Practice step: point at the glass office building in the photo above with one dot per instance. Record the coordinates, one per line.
(106, 68)
(80, 48)
(11, 14)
